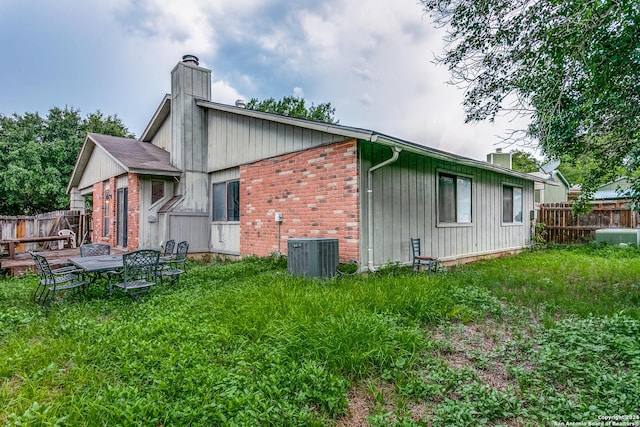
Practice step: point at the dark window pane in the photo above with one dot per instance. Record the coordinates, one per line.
(446, 198)
(507, 204)
(233, 201)
(157, 191)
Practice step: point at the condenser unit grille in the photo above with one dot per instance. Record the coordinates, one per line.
(312, 257)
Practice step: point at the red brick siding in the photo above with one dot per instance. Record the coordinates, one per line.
(133, 212)
(316, 191)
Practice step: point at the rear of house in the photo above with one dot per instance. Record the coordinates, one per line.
(240, 182)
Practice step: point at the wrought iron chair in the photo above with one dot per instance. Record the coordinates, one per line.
(167, 252)
(94, 249)
(177, 265)
(420, 260)
(53, 280)
(98, 249)
(139, 271)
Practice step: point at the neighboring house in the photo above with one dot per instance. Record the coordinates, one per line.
(615, 191)
(220, 175)
(555, 188)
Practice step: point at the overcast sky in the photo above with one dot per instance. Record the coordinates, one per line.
(372, 60)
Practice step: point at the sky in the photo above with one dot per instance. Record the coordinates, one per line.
(373, 61)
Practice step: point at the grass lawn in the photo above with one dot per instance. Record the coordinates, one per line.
(548, 336)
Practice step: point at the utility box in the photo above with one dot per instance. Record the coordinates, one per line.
(615, 236)
(312, 257)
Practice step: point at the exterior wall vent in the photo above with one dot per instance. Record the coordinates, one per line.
(312, 257)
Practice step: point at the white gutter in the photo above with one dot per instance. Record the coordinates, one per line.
(394, 157)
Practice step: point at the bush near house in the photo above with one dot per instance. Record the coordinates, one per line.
(547, 336)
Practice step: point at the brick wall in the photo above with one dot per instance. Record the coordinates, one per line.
(133, 212)
(316, 191)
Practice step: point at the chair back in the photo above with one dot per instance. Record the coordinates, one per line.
(168, 248)
(94, 249)
(415, 247)
(43, 267)
(181, 252)
(140, 265)
(67, 232)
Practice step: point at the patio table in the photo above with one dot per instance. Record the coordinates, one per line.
(98, 264)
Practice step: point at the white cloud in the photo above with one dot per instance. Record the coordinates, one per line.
(371, 61)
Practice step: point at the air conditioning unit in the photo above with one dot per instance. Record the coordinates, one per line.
(312, 257)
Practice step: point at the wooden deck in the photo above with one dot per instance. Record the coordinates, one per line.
(57, 258)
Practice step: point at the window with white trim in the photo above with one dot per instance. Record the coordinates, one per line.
(226, 201)
(511, 204)
(454, 199)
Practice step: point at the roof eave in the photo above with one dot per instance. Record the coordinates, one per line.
(158, 118)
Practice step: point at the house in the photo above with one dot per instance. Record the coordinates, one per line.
(618, 191)
(240, 182)
(552, 187)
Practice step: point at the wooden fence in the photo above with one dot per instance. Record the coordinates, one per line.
(47, 224)
(562, 226)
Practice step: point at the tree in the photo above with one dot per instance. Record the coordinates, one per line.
(572, 67)
(523, 161)
(293, 106)
(39, 154)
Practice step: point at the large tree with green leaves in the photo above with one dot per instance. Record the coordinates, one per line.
(38, 155)
(572, 67)
(294, 106)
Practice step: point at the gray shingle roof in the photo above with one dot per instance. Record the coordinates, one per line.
(134, 155)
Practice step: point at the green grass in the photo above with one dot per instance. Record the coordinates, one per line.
(550, 335)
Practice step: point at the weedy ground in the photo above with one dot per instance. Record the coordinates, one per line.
(547, 336)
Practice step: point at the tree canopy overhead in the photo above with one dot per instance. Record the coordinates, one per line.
(38, 155)
(572, 67)
(294, 106)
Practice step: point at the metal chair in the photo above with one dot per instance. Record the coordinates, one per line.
(420, 260)
(53, 280)
(94, 249)
(177, 265)
(168, 248)
(139, 271)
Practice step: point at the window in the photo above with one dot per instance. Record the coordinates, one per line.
(106, 209)
(157, 191)
(454, 199)
(511, 204)
(226, 201)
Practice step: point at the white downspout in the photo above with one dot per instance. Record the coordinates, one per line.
(394, 157)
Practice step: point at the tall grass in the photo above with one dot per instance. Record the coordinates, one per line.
(247, 344)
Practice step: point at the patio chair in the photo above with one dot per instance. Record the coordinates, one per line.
(98, 249)
(139, 271)
(177, 265)
(54, 280)
(67, 232)
(420, 260)
(94, 249)
(167, 252)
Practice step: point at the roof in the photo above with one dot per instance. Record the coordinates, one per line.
(132, 155)
(372, 136)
